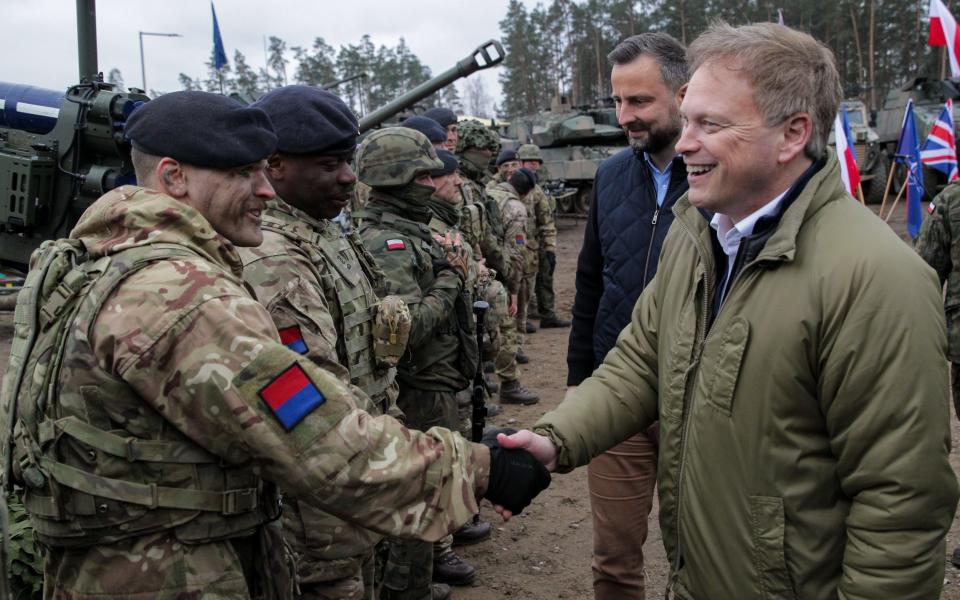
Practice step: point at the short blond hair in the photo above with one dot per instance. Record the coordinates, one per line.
(789, 70)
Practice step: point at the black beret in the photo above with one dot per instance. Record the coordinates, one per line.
(450, 164)
(444, 116)
(202, 129)
(523, 180)
(428, 127)
(309, 120)
(506, 156)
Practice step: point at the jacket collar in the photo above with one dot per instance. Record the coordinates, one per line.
(818, 186)
(130, 216)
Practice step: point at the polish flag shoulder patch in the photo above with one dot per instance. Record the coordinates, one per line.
(931, 208)
(292, 338)
(291, 396)
(395, 245)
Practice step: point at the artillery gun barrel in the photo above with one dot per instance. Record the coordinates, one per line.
(479, 59)
(87, 39)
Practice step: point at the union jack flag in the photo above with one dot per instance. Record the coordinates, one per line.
(940, 150)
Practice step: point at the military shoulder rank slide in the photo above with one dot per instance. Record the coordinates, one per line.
(395, 245)
(292, 338)
(291, 396)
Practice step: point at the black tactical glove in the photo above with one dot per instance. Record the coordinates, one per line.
(516, 477)
(552, 260)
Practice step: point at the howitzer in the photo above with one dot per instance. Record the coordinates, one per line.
(60, 151)
(486, 55)
(479, 396)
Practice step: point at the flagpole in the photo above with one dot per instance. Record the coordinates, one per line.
(902, 189)
(220, 78)
(860, 194)
(886, 191)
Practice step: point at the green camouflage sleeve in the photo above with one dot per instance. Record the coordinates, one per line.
(514, 227)
(201, 352)
(935, 239)
(545, 221)
(404, 265)
(287, 284)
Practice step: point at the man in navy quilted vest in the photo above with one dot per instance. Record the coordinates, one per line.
(634, 192)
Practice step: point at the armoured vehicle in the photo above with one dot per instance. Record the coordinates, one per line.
(871, 160)
(60, 151)
(574, 141)
(928, 97)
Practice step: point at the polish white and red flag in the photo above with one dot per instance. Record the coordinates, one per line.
(940, 150)
(849, 171)
(943, 32)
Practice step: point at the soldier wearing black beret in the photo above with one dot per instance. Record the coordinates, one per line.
(428, 127)
(447, 120)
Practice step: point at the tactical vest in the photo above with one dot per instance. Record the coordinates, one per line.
(97, 463)
(349, 276)
(461, 324)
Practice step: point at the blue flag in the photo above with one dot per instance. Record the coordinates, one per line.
(219, 54)
(908, 153)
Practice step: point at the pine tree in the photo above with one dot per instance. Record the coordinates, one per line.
(315, 66)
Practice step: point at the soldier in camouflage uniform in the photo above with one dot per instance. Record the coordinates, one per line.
(509, 198)
(319, 285)
(444, 205)
(938, 243)
(431, 273)
(543, 208)
(482, 225)
(507, 163)
(150, 436)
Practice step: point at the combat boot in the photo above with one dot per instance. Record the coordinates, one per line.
(522, 358)
(954, 560)
(451, 569)
(492, 386)
(472, 532)
(440, 591)
(553, 322)
(514, 393)
(493, 409)
(529, 327)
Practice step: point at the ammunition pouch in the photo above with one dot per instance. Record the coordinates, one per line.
(391, 331)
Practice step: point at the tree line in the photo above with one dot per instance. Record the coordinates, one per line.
(560, 48)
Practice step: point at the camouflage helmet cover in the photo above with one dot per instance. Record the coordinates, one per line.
(529, 152)
(473, 133)
(395, 156)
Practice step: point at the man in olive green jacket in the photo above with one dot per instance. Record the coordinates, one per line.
(795, 357)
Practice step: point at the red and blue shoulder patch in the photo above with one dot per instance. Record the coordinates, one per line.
(291, 396)
(395, 245)
(520, 239)
(292, 338)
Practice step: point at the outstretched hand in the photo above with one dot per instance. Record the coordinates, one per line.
(537, 445)
(516, 476)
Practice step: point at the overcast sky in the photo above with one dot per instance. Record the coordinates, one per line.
(40, 36)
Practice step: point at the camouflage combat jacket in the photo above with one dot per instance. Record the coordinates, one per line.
(542, 216)
(514, 240)
(176, 397)
(939, 245)
(480, 220)
(438, 354)
(318, 284)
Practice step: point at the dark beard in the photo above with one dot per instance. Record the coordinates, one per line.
(658, 138)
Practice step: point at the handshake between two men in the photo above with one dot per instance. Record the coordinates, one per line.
(520, 466)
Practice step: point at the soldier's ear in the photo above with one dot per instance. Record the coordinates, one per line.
(681, 93)
(275, 166)
(171, 177)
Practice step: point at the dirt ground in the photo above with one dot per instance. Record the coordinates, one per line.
(544, 553)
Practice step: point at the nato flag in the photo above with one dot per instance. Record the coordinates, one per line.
(219, 54)
(908, 153)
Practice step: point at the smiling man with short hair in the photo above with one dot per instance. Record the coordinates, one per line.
(798, 459)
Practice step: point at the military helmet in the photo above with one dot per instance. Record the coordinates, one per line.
(395, 156)
(529, 152)
(473, 133)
